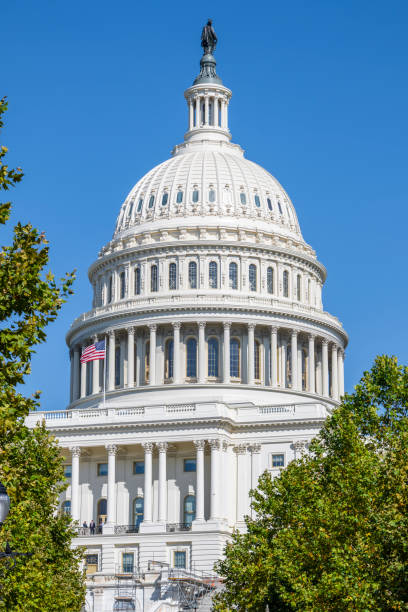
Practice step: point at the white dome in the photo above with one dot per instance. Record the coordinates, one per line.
(208, 179)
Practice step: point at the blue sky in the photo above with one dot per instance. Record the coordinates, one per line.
(320, 99)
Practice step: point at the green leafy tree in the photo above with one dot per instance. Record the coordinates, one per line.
(331, 531)
(30, 461)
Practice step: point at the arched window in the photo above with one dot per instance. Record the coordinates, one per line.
(147, 361)
(66, 507)
(269, 202)
(257, 360)
(154, 278)
(196, 195)
(169, 359)
(165, 198)
(122, 278)
(234, 358)
(257, 200)
(285, 283)
(211, 195)
(242, 197)
(233, 275)
(191, 369)
(102, 512)
(189, 509)
(179, 197)
(213, 357)
(298, 281)
(140, 205)
(151, 201)
(138, 511)
(110, 289)
(137, 281)
(252, 277)
(172, 276)
(269, 280)
(212, 275)
(192, 275)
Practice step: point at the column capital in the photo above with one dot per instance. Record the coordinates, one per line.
(131, 329)
(214, 444)
(176, 324)
(162, 446)
(112, 449)
(240, 449)
(274, 329)
(300, 446)
(201, 324)
(152, 327)
(312, 337)
(342, 352)
(294, 332)
(148, 447)
(325, 341)
(251, 326)
(95, 338)
(255, 448)
(75, 451)
(227, 324)
(111, 333)
(224, 445)
(199, 444)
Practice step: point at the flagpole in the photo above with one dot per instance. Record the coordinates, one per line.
(104, 376)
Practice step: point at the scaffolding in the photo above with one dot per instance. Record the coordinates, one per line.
(189, 588)
(126, 585)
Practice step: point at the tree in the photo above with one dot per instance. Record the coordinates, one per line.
(30, 461)
(331, 531)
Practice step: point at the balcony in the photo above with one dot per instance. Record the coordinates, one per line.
(126, 529)
(177, 527)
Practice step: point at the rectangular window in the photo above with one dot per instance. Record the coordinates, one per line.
(128, 562)
(67, 471)
(180, 559)
(189, 465)
(102, 469)
(278, 460)
(91, 564)
(138, 467)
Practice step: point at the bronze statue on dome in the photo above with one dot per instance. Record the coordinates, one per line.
(208, 38)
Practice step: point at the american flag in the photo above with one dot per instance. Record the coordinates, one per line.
(93, 352)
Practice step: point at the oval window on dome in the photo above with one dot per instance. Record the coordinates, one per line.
(151, 201)
(139, 206)
(179, 198)
(211, 195)
(165, 198)
(257, 200)
(242, 198)
(196, 194)
(269, 202)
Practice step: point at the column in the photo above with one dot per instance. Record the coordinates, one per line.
(131, 357)
(274, 356)
(162, 446)
(206, 112)
(83, 375)
(139, 358)
(216, 107)
(294, 360)
(215, 478)
(243, 481)
(190, 114)
(311, 362)
(256, 469)
(111, 497)
(251, 341)
(340, 362)
(197, 107)
(334, 377)
(152, 356)
(226, 366)
(122, 360)
(148, 448)
(75, 383)
(111, 374)
(325, 367)
(95, 371)
(200, 445)
(176, 352)
(201, 352)
(76, 453)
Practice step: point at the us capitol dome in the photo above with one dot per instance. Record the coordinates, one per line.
(220, 363)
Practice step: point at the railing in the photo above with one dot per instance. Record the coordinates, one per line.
(276, 409)
(174, 527)
(125, 529)
(126, 570)
(181, 408)
(89, 531)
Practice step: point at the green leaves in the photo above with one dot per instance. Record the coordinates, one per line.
(331, 531)
(30, 461)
